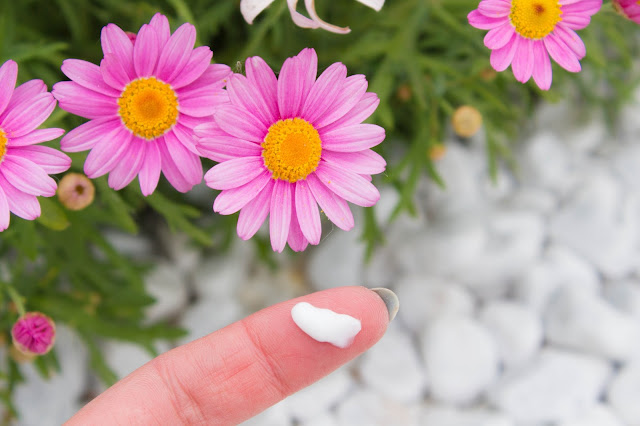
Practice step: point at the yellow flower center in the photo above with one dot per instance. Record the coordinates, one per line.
(148, 107)
(291, 149)
(3, 144)
(535, 19)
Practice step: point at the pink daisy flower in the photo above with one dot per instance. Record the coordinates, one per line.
(523, 33)
(143, 102)
(34, 333)
(24, 165)
(628, 8)
(289, 144)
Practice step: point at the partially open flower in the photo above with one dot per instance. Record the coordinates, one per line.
(252, 8)
(628, 8)
(75, 191)
(34, 333)
(466, 121)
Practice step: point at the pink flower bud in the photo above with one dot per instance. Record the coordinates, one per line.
(34, 333)
(75, 191)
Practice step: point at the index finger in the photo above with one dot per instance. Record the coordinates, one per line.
(234, 373)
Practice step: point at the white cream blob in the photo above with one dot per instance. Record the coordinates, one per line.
(324, 325)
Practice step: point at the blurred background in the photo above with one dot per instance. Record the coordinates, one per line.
(511, 233)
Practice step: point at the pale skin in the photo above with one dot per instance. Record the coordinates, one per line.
(235, 373)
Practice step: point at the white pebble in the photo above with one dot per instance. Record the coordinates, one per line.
(367, 408)
(393, 367)
(556, 386)
(448, 416)
(598, 415)
(338, 260)
(461, 359)
(624, 393)
(325, 325)
(320, 396)
(516, 329)
(167, 285)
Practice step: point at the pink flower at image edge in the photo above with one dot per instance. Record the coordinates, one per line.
(143, 102)
(524, 33)
(628, 8)
(24, 165)
(34, 333)
(286, 145)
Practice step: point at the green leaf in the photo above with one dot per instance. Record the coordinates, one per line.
(53, 216)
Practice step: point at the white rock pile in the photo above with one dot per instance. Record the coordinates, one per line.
(520, 300)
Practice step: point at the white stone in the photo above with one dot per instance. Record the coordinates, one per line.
(325, 325)
(337, 260)
(515, 241)
(43, 402)
(557, 386)
(382, 269)
(276, 415)
(207, 316)
(443, 248)
(448, 416)
(624, 163)
(516, 329)
(389, 197)
(599, 222)
(586, 322)
(319, 397)
(545, 161)
(559, 268)
(598, 415)
(221, 276)
(180, 248)
(624, 393)
(133, 246)
(168, 286)
(461, 359)
(425, 298)
(393, 367)
(625, 296)
(125, 357)
(366, 408)
(324, 419)
(533, 198)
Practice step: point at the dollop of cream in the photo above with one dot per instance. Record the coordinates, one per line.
(324, 325)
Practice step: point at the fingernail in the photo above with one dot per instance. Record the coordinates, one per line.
(390, 300)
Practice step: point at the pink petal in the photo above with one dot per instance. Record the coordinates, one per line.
(161, 25)
(175, 54)
(215, 75)
(27, 176)
(324, 92)
(87, 75)
(561, 53)
(353, 138)
(197, 64)
(336, 208)
(360, 112)
(499, 36)
(188, 163)
(106, 154)
(576, 22)
(113, 72)
(242, 94)
(87, 135)
(523, 61)
(280, 214)
(308, 216)
(231, 200)
(146, 51)
(37, 136)
(296, 238)
(171, 170)
(501, 58)
(51, 160)
(241, 124)
(23, 205)
(296, 78)
(495, 8)
(364, 162)
(86, 103)
(116, 42)
(298, 18)
(255, 212)
(353, 89)
(186, 137)
(24, 95)
(266, 83)
(150, 169)
(203, 105)
(8, 77)
(478, 20)
(572, 40)
(4, 210)
(542, 67)
(129, 166)
(234, 173)
(223, 148)
(26, 117)
(348, 185)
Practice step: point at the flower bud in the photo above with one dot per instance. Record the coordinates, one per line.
(75, 191)
(630, 9)
(466, 121)
(34, 333)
